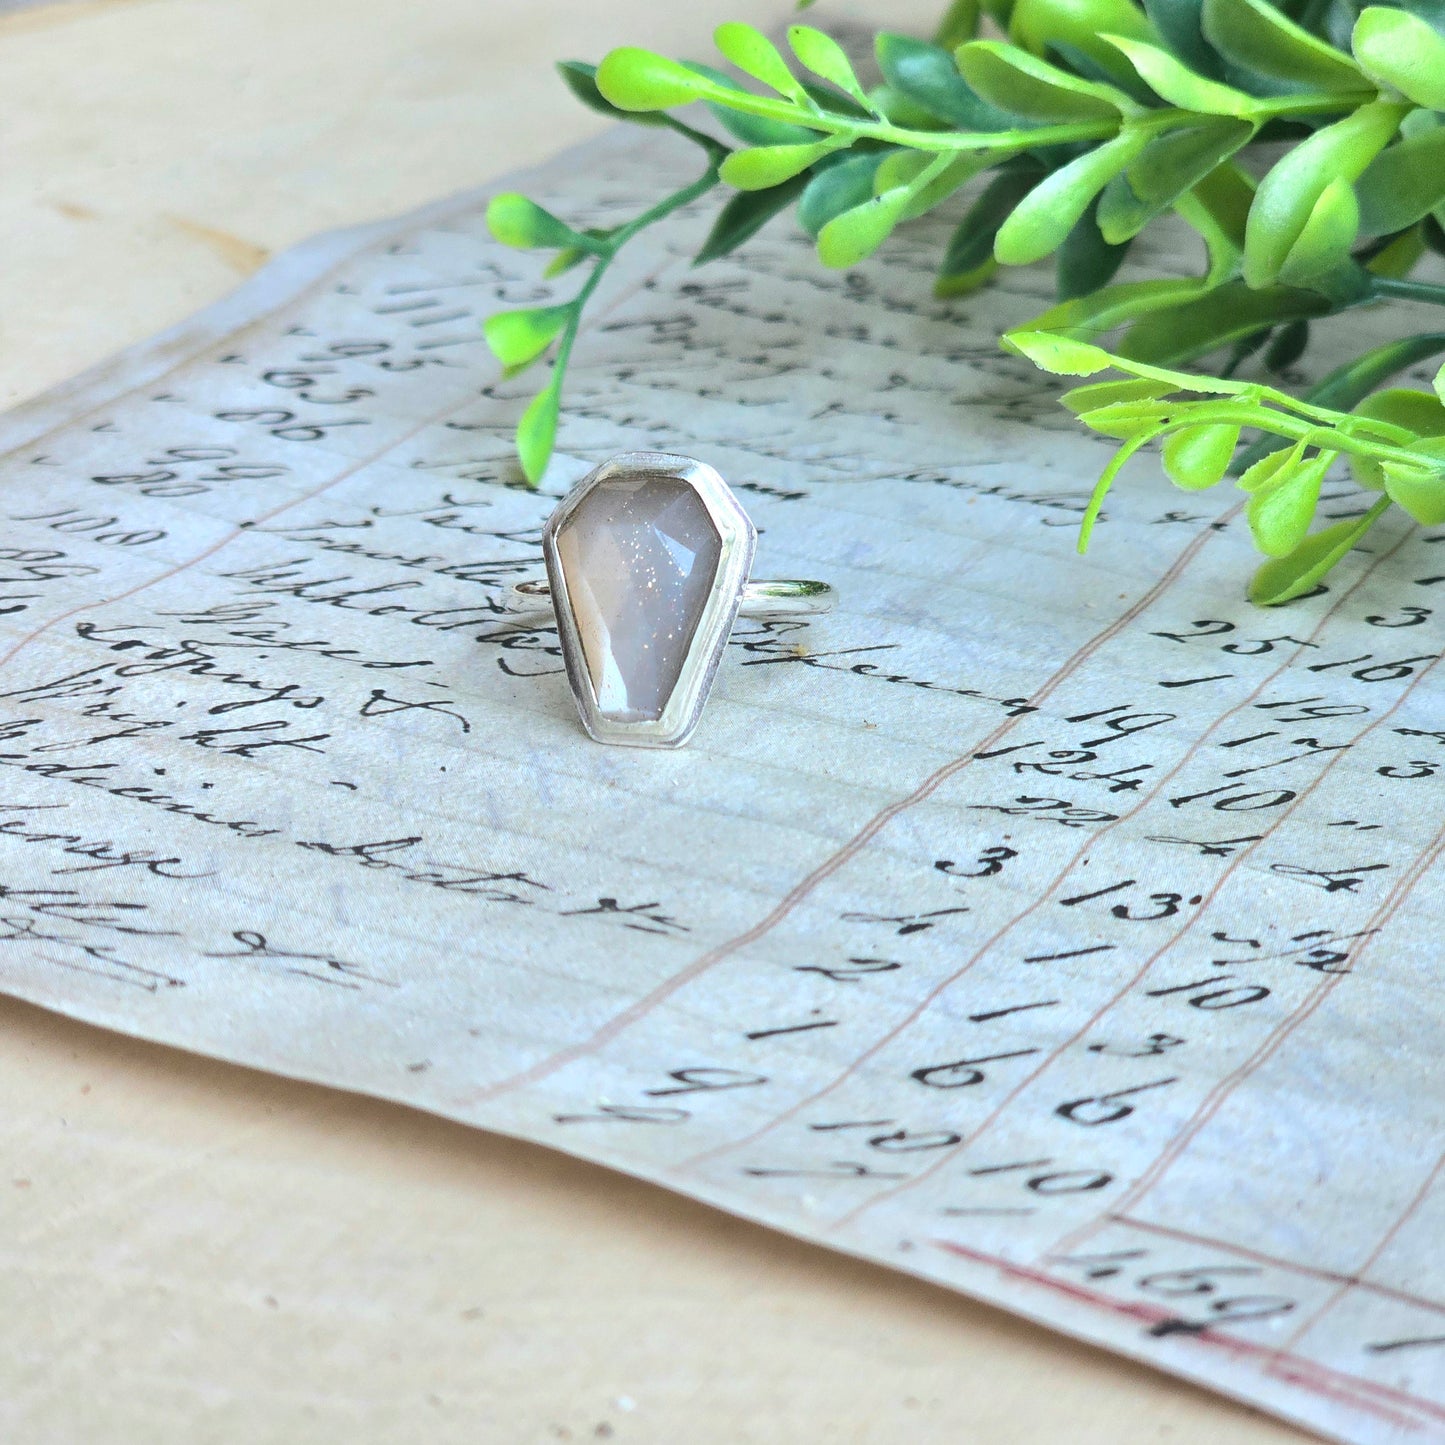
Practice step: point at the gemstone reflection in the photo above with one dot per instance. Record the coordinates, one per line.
(640, 555)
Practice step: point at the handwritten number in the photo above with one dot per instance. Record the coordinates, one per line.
(964, 1072)
(1106, 1108)
(990, 862)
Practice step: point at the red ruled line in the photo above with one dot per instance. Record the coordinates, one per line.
(1359, 1394)
(1255, 1256)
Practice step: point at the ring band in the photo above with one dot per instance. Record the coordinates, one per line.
(791, 597)
(648, 558)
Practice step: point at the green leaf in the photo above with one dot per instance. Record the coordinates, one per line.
(744, 215)
(1122, 409)
(1179, 85)
(899, 110)
(760, 130)
(537, 430)
(1194, 383)
(1403, 184)
(823, 55)
(1094, 395)
(1434, 232)
(768, 166)
(1347, 384)
(972, 242)
(1080, 28)
(1431, 11)
(1280, 514)
(1127, 420)
(900, 167)
(1180, 26)
(1400, 254)
(753, 130)
(927, 76)
(1091, 316)
(1217, 206)
(516, 221)
(1086, 260)
(1106, 480)
(959, 23)
(837, 188)
(1167, 167)
(961, 283)
(1349, 284)
(1402, 51)
(1420, 413)
(1197, 457)
(1419, 489)
(581, 79)
(1271, 467)
(633, 80)
(1324, 241)
(1397, 417)
(518, 338)
(1018, 82)
(1254, 34)
(829, 98)
(928, 193)
(1287, 577)
(1287, 346)
(1218, 317)
(856, 234)
(1110, 69)
(564, 261)
(1049, 212)
(754, 54)
(1284, 205)
(1061, 355)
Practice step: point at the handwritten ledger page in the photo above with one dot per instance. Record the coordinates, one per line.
(1061, 930)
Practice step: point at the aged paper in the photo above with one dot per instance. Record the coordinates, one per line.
(1056, 929)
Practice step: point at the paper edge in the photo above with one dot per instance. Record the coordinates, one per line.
(283, 279)
(278, 283)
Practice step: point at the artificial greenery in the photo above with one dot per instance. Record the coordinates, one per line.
(1093, 118)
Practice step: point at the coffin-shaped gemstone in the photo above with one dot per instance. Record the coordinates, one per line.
(640, 555)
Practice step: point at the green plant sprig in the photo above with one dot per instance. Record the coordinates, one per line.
(1394, 442)
(520, 338)
(1094, 118)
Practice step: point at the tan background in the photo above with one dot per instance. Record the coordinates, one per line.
(192, 1253)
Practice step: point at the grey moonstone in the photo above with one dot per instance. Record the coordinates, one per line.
(640, 555)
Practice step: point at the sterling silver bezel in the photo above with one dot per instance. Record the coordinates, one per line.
(738, 542)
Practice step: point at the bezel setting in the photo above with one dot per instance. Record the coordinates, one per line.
(737, 539)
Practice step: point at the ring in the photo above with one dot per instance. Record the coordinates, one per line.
(532, 596)
(647, 561)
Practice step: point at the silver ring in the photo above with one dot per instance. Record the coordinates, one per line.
(647, 561)
(793, 597)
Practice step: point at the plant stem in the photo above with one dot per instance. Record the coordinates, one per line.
(1280, 107)
(1327, 438)
(1022, 139)
(615, 242)
(1407, 290)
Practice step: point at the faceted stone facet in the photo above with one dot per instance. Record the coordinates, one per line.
(640, 555)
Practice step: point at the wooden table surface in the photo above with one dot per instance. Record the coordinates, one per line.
(194, 1253)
